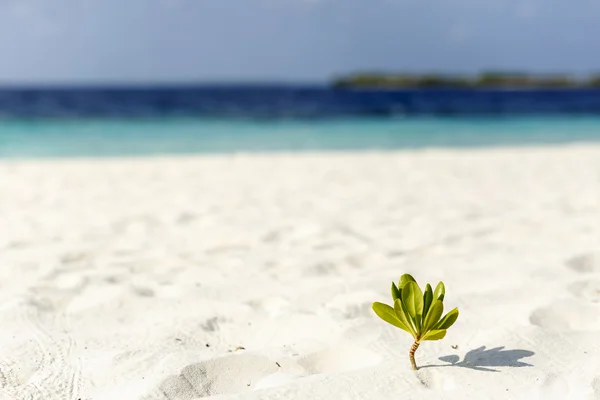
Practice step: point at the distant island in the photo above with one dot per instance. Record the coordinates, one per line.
(500, 80)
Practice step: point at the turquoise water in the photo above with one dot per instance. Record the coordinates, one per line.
(132, 137)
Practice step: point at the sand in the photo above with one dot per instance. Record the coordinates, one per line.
(252, 276)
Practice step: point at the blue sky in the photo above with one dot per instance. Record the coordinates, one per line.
(289, 40)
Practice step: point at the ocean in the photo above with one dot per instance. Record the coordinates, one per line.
(98, 122)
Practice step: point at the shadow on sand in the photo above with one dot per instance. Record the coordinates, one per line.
(481, 359)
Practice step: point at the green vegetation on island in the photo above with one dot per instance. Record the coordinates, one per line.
(484, 80)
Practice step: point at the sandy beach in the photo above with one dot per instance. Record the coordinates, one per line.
(252, 276)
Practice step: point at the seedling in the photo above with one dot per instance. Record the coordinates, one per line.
(417, 313)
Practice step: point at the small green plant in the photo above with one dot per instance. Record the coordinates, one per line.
(416, 312)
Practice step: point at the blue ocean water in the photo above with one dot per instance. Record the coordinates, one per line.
(143, 121)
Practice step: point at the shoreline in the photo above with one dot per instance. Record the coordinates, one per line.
(276, 154)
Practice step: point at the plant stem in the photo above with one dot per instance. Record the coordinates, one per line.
(411, 354)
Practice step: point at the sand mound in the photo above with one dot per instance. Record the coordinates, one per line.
(226, 375)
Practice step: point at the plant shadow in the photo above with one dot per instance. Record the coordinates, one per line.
(481, 359)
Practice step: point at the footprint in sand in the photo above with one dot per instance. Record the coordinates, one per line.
(585, 263)
(568, 314)
(47, 366)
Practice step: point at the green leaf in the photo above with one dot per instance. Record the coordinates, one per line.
(395, 292)
(434, 315)
(387, 314)
(412, 299)
(440, 291)
(402, 315)
(427, 299)
(448, 320)
(404, 279)
(434, 335)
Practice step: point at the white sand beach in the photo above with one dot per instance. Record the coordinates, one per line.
(252, 276)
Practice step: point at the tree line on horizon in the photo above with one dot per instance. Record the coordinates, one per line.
(483, 80)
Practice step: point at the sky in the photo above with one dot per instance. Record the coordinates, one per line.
(113, 41)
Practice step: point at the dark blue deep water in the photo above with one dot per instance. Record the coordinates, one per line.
(94, 122)
(290, 102)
